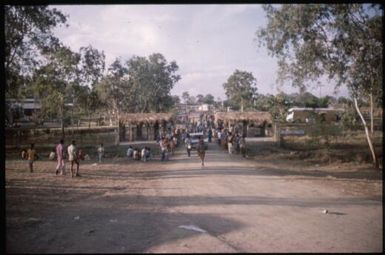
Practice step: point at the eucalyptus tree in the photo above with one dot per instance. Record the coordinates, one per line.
(138, 85)
(91, 69)
(27, 31)
(54, 80)
(185, 96)
(200, 98)
(241, 89)
(342, 42)
(115, 92)
(152, 79)
(209, 99)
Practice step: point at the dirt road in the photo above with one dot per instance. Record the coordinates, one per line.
(230, 205)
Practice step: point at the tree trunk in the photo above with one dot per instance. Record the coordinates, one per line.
(375, 160)
(117, 138)
(89, 119)
(62, 122)
(371, 114)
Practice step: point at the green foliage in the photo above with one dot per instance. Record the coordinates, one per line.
(185, 96)
(139, 85)
(176, 100)
(341, 41)
(208, 99)
(92, 65)
(322, 133)
(350, 118)
(240, 89)
(28, 36)
(199, 98)
(279, 106)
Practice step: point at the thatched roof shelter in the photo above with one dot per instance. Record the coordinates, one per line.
(136, 118)
(256, 117)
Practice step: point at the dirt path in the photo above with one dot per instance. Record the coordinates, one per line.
(230, 205)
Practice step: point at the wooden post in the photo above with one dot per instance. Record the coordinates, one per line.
(149, 131)
(134, 132)
(277, 133)
(129, 128)
(127, 132)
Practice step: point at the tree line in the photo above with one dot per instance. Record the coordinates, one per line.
(69, 83)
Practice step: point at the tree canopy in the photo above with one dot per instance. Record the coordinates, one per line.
(140, 84)
(28, 36)
(341, 41)
(240, 89)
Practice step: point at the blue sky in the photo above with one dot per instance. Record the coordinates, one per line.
(208, 42)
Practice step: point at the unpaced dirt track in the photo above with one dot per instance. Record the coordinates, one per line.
(230, 205)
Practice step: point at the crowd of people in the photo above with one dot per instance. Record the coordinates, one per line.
(233, 142)
(143, 154)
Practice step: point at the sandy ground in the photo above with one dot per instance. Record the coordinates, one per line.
(229, 205)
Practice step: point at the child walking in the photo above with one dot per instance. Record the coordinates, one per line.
(100, 152)
(31, 157)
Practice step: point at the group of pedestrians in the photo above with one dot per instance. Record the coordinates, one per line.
(232, 142)
(167, 146)
(74, 155)
(143, 154)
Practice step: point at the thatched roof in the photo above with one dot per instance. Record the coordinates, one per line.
(145, 117)
(257, 117)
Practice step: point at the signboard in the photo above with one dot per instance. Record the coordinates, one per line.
(292, 132)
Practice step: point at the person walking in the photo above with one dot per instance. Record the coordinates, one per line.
(230, 140)
(73, 158)
(224, 139)
(167, 145)
(242, 145)
(60, 153)
(163, 148)
(210, 134)
(201, 150)
(31, 156)
(237, 143)
(101, 152)
(219, 135)
(188, 145)
(143, 154)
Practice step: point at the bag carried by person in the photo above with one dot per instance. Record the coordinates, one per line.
(52, 155)
(24, 154)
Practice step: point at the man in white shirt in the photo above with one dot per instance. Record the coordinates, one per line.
(73, 158)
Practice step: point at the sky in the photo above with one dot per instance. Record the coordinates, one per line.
(208, 42)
